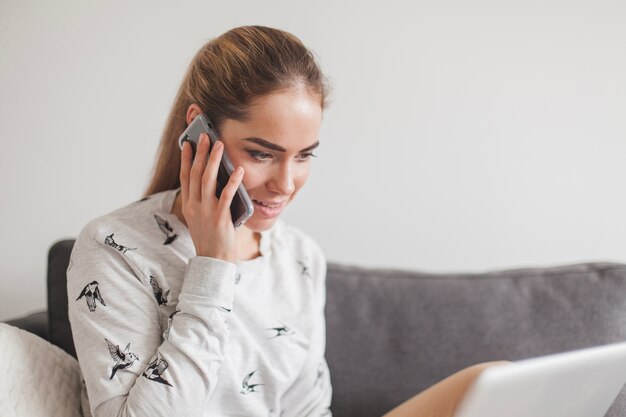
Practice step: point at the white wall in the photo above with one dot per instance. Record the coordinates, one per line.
(463, 135)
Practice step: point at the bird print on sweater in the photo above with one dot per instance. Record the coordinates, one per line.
(305, 269)
(166, 228)
(109, 241)
(281, 331)
(320, 372)
(91, 292)
(156, 369)
(158, 292)
(246, 387)
(149, 246)
(123, 359)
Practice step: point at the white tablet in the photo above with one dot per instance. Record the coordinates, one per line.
(580, 383)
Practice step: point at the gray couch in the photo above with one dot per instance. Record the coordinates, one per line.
(392, 333)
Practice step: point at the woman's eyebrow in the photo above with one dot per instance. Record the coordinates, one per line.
(274, 147)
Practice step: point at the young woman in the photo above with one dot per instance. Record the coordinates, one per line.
(176, 312)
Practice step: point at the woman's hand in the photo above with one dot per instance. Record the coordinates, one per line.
(208, 218)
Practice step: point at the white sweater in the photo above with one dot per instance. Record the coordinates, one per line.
(160, 331)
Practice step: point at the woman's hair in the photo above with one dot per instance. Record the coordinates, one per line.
(224, 78)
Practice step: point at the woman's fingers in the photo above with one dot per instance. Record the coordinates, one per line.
(185, 164)
(209, 178)
(197, 169)
(208, 218)
(229, 192)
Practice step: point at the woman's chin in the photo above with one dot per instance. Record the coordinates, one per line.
(260, 224)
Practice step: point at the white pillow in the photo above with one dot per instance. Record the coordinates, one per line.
(37, 378)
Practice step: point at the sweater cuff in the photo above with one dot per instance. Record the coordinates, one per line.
(210, 278)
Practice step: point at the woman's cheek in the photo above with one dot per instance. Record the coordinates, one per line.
(302, 175)
(238, 159)
(253, 175)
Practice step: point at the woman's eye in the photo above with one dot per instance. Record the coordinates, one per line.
(306, 156)
(264, 156)
(261, 156)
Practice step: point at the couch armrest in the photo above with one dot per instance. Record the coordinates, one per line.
(36, 323)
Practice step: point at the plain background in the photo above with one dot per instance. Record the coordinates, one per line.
(462, 135)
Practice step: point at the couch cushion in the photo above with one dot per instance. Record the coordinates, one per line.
(391, 334)
(38, 378)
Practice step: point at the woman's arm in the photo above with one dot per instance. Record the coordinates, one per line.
(443, 398)
(129, 369)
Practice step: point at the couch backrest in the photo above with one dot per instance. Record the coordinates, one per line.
(391, 334)
(59, 331)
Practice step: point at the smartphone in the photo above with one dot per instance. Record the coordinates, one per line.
(241, 208)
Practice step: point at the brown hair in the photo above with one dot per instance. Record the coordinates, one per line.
(224, 78)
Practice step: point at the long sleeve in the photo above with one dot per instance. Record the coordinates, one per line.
(130, 366)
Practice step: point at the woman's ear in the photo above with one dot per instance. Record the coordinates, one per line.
(192, 112)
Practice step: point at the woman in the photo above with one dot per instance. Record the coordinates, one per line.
(176, 312)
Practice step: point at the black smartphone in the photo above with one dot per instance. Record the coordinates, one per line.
(241, 208)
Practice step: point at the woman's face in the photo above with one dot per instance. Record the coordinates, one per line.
(275, 147)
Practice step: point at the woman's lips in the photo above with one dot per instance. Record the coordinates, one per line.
(267, 209)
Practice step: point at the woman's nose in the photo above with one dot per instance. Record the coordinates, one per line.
(282, 181)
